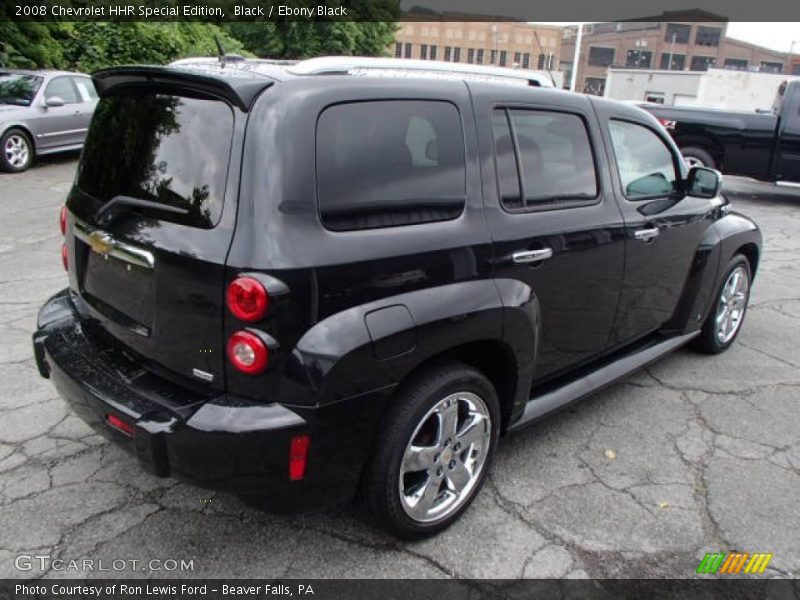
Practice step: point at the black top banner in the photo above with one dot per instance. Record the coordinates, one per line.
(396, 10)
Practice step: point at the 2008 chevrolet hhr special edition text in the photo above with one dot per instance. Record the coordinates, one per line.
(351, 277)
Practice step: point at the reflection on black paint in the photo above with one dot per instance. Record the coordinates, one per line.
(163, 148)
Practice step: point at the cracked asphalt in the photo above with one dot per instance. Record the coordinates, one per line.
(696, 454)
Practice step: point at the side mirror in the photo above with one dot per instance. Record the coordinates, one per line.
(703, 182)
(54, 101)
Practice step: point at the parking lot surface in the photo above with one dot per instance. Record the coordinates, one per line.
(695, 454)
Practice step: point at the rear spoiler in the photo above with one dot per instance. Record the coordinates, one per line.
(239, 88)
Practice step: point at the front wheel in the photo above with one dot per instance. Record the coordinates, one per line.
(697, 157)
(16, 151)
(435, 450)
(725, 320)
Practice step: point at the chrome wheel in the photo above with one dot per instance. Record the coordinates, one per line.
(16, 151)
(445, 457)
(732, 305)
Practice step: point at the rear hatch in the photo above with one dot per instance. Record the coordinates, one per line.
(152, 214)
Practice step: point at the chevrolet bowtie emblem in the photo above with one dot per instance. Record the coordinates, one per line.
(100, 242)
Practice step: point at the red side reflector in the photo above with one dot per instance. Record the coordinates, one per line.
(64, 257)
(63, 220)
(298, 454)
(120, 425)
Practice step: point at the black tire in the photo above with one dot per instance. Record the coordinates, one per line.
(7, 163)
(708, 341)
(698, 154)
(381, 486)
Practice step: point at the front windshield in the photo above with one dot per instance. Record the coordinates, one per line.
(18, 89)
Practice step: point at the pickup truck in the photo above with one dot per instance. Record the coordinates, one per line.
(761, 146)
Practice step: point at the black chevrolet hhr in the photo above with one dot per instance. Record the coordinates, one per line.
(352, 277)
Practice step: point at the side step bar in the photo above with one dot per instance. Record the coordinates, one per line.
(540, 405)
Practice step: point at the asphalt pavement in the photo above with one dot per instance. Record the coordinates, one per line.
(695, 454)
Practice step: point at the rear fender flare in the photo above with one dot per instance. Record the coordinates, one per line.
(341, 356)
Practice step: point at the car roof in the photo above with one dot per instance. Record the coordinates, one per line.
(361, 66)
(41, 72)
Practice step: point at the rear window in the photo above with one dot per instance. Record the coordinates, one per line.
(168, 149)
(389, 163)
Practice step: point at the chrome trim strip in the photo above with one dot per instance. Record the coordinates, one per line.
(119, 250)
(65, 132)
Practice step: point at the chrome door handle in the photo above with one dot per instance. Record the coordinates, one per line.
(531, 256)
(645, 235)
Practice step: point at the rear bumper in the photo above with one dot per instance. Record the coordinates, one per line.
(216, 441)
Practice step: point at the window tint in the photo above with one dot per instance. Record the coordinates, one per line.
(85, 88)
(384, 164)
(554, 153)
(646, 166)
(168, 149)
(62, 88)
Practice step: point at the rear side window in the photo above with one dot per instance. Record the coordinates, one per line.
(168, 149)
(646, 166)
(389, 163)
(85, 88)
(552, 153)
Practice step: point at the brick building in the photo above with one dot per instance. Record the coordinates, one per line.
(498, 43)
(668, 45)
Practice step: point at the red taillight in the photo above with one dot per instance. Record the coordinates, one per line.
(247, 352)
(63, 220)
(64, 257)
(247, 299)
(119, 424)
(298, 457)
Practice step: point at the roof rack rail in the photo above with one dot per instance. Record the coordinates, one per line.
(358, 65)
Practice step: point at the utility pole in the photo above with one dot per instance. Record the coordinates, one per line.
(573, 80)
(671, 52)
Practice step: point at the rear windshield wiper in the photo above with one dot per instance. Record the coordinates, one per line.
(120, 201)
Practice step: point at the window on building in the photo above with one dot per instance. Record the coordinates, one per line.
(595, 86)
(677, 33)
(503, 56)
(398, 50)
(471, 55)
(408, 50)
(740, 64)
(456, 54)
(654, 97)
(447, 52)
(423, 51)
(479, 57)
(600, 56)
(708, 36)
(433, 52)
(638, 59)
(796, 69)
(673, 62)
(645, 165)
(541, 63)
(493, 57)
(554, 152)
(768, 66)
(391, 163)
(517, 58)
(702, 63)
(526, 60)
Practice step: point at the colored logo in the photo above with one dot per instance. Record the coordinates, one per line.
(734, 563)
